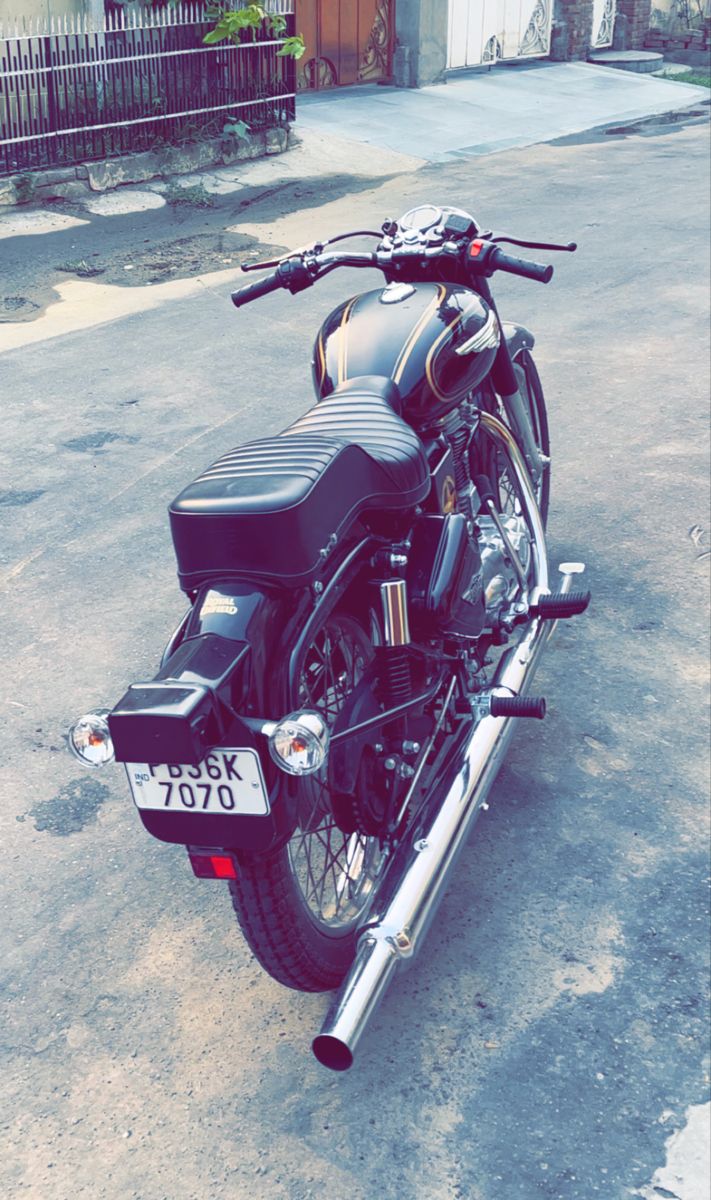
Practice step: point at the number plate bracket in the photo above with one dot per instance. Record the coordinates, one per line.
(228, 782)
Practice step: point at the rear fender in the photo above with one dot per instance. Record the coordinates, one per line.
(219, 669)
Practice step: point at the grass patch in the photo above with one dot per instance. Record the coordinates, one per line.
(694, 76)
(195, 196)
(700, 78)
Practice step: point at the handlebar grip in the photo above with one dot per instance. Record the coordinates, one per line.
(252, 291)
(521, 266)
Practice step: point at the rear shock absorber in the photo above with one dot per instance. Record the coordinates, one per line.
(396, 675)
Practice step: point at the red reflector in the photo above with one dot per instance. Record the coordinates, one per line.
(475, 248)
(212, 866)
(223, 866)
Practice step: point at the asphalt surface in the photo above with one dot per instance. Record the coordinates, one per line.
(551, 1037)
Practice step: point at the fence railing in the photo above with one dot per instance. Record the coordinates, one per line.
(74, 90)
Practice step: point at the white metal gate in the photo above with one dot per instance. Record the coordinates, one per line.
(603, 26)
(482, 31)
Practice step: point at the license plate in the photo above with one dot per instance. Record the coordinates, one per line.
(227, 783)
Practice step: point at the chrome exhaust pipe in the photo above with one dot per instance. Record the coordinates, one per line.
(420, 868)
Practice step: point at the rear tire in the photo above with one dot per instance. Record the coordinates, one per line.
(300, 906)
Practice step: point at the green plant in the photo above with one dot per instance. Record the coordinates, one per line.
(229, 24)
(235, 128)
(700, 78)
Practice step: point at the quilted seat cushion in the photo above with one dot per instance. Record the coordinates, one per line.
(271, 507)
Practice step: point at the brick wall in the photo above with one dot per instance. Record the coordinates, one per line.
(572, 25)
(632, 23)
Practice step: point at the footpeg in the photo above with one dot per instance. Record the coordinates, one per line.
(559, 605)
(518, 706)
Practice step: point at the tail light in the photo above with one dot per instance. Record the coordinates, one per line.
(212, 864)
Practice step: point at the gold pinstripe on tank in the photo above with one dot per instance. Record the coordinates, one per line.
(343, 341)
(321, 357)
(414, 334)
(429, 363)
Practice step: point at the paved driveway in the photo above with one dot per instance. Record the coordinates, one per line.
(551, 1036)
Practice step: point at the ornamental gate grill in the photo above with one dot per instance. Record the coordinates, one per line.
(603, 23)
(485, 31)
(347, 41)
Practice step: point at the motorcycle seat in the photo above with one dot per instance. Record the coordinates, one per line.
(276, 507)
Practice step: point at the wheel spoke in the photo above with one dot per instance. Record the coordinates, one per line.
(335, 872)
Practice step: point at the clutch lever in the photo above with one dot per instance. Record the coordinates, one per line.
(272, 263)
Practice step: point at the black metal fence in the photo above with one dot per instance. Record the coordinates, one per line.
(71, 93)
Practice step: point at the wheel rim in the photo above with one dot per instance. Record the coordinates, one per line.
(510, 502)
(335, 872)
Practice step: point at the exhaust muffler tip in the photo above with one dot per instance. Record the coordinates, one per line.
(331, 1052)
(355, 1002)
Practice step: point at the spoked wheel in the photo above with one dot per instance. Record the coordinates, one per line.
(300, 906)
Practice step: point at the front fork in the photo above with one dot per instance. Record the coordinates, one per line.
(505, 377)
(519, 418)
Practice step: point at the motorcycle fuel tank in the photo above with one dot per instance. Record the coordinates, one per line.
(436, 341)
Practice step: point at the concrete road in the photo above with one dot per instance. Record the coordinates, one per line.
(550, 1040)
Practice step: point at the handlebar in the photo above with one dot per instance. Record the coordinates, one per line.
(486, 257)
(521, 266)
(253, 291)
(295, 274)
(302, 270)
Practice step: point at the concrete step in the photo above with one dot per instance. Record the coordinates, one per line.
(628, 60)
(670, 69)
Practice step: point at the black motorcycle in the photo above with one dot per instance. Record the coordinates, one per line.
(369, 597)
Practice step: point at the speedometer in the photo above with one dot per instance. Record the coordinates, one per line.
(423, 217)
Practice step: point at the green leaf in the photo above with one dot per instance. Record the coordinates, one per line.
(293, 47)
(236, 129)
(231, 22)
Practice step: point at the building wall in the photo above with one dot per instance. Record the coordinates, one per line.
(14, 10)
(421, 42)
(421, 31)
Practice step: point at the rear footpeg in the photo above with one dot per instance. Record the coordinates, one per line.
(518, 706)
(558, 605)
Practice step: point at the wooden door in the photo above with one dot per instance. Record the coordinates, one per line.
(347, 41)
